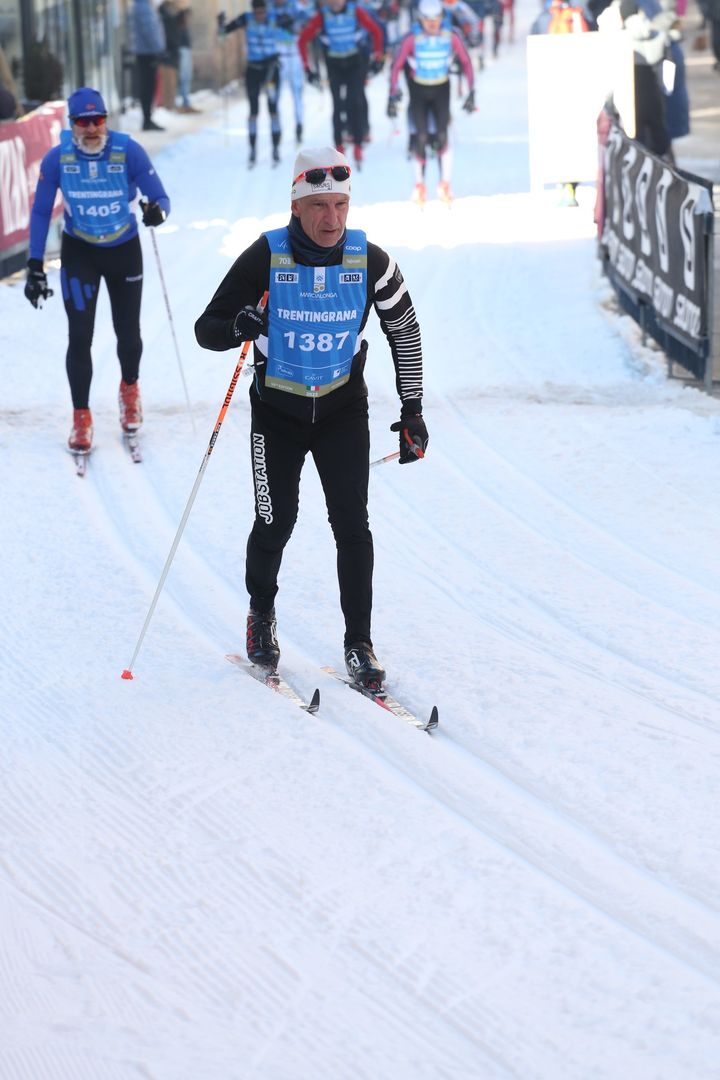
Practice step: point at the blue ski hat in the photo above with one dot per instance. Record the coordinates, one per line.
(86, 102)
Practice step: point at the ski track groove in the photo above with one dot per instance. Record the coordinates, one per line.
(545, 492)
(685, 955)
(683, 941)
(519, 633)
(552, 613)
(221, 586)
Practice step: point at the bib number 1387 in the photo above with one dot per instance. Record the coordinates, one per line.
(319, 342)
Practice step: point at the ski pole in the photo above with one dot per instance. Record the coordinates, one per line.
(382, 460)
(127, 673)
(414, 449)
(172, 327)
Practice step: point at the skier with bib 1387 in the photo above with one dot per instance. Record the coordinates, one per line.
(98, 172)
(309, 395)
(426, 53)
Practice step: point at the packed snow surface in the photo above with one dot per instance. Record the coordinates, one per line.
(198, 881)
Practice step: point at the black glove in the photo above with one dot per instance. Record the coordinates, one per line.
(313, 77)
(393, 102)
(152, 213)
(36, 286)
(221, 22)
(285, 21)
(249, 324)
(469, 102)
(413, 438)
(376, 65)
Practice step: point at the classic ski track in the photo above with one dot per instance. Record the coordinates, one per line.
(129, 539)
(678, 938)
(515, 632)
(671, 919)
(547, 494)
(163, 521)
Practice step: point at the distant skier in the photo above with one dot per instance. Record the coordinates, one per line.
(262, 71)
(428, 51)
(341, 26)
(290, 17)
(98, 172)
(309, 394)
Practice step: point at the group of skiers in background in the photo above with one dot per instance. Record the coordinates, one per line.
(290, 42)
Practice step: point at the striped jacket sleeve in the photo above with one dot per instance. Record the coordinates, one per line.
(392, 302)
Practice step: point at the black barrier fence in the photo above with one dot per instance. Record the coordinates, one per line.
(656, 248)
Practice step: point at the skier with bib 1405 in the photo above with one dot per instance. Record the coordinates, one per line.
(309, 395)
(98, 172)
(426, 53)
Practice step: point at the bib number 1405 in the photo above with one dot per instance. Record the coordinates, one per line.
(319, 342)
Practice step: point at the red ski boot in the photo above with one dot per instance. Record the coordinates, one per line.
(80, 441)
(131, 415)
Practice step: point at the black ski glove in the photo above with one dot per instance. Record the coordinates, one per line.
(249, 324)
(393, 102)
(36, 286)
(152, 213)
(469, 102)
(376, 65)
(221, 23)
(413, 438)
(313, 77)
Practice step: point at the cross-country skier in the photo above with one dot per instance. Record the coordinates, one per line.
(262, 71)
(309, 394)
(290, 17)
(340, 26)
(98, 172)
(428, 51)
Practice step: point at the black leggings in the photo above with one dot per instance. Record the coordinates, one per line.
(147, 76)
(425, 100)
(340, 446)
(265, 76)
(82, 267)
(650, 122)
(346, 76)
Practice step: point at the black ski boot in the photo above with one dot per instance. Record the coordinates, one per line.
(262, 643)
(362, 664)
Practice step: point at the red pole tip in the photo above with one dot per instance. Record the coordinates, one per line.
(127, 674)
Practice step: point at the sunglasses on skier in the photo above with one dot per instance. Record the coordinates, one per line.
(86, 121)
(316, 176)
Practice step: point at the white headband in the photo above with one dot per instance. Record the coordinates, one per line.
(324, 158)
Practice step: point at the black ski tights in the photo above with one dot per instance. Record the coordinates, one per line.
(83, 267)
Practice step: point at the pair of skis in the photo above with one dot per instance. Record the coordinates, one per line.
(131, 441)
(275, 681)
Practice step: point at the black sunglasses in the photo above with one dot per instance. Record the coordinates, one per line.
(316, 176)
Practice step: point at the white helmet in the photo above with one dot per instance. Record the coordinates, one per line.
(430, 9)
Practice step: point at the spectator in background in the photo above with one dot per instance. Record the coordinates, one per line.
(711, 11)
(147, 41)
(653, 29)
(185, 67)
(9, 107)
(170, 59)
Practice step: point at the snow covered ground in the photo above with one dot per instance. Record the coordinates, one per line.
(200, 882)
